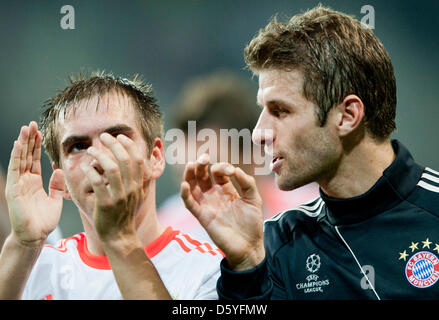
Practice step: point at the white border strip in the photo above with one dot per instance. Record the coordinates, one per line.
(427, 186)
(430, 177)
(299, 208)
(359, 265)
(432, 171)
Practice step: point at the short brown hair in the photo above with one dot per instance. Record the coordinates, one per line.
(338, 56)
(87, 85)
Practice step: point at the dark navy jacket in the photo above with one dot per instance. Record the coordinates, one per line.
(383, 244)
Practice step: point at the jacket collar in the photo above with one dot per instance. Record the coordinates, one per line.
(396, 183)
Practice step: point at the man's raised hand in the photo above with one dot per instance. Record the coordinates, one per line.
(118, 199)
(233, 219)
(32, 212)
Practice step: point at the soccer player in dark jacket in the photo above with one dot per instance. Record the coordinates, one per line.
(327, 94)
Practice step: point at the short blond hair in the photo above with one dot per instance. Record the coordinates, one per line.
(85, 86)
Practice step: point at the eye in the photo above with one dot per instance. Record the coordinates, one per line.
(114, 133)
(278, 111)
(76, 147)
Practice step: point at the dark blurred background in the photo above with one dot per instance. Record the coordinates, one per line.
(169, 42)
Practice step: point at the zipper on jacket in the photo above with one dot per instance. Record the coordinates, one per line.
(358, 263)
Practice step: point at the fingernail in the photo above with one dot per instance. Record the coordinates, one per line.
(203, 159)
(105, 136)
(229, 170)
(122, 137)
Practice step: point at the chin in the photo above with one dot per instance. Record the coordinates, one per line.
(282, 184)
(290, 183)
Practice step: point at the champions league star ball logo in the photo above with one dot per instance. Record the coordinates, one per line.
(313, 263)
(422, 269)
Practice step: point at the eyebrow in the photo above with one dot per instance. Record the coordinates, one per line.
(274, 101)
(120, 128)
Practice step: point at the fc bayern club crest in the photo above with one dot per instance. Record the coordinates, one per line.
(422, 269)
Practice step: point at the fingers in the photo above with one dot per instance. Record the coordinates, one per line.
(198, 177)
(112, 173)
(130, 160)
(248, 186)
(221, 172)
(190, 177)
(14, 164)
(122, 157)
(23, 138)
(137, 160)
(33, 131)
(125, 173)
(191, 204)
(202, 172)
(36, 158)
(26, 152)
(96, 182)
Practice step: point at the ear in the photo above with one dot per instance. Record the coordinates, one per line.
(66, 193)
(350, 115)
(157, 159)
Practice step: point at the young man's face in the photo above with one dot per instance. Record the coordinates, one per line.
(302, 151)
(81, 129)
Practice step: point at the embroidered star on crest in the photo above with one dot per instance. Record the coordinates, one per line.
(426, 243)
(403, 255)
(436, 248)
(414, 246)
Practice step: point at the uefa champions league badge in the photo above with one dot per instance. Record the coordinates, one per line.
(422, 268)
(313, 284)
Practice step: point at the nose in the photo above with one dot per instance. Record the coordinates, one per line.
(263, 133)
(95, 164)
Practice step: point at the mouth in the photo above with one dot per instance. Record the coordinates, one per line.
(276, 164)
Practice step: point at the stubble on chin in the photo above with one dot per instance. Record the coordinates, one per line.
(293, 176)
(291, 183)
(289, 180)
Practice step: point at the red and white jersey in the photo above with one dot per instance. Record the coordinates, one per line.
(188, 268)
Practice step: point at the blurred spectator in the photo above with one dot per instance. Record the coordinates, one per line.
(222, 100)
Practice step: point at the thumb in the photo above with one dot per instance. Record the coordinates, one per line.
(56, 184)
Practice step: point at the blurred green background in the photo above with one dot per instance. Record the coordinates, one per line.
(169, 42)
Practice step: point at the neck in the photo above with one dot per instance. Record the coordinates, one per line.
(359, 168)
(148, 227)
